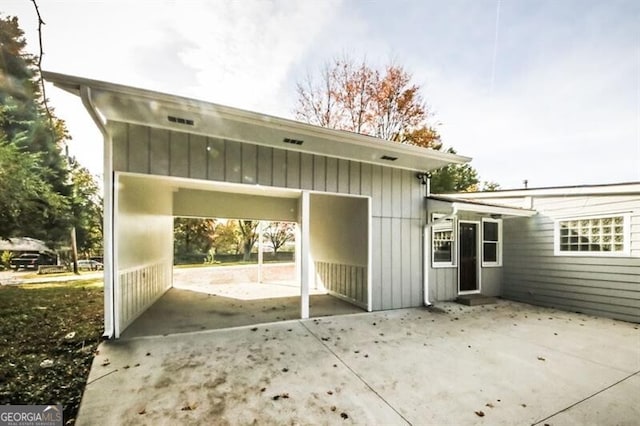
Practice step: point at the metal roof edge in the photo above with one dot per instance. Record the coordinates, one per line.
(576, 190)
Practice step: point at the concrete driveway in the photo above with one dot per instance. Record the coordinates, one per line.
(508, 364)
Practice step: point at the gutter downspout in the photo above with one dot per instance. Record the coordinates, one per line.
(425, 243)
(109, 296)
(427, 261)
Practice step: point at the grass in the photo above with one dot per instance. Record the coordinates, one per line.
(35, 274)
(59, 322)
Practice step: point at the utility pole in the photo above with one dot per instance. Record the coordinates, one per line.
(74, 250)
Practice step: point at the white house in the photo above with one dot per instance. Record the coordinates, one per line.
(368, 230)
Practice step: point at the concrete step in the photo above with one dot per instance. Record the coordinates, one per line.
(475, 299)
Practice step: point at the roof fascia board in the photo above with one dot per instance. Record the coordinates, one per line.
(74, 84)
(621, 189)
(478, 208)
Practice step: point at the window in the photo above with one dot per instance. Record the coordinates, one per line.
(442, 242)
(491, 242)
(606, 235)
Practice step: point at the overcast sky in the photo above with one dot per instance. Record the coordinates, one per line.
(554, 98)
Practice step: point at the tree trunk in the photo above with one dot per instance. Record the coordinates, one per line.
(246, 256)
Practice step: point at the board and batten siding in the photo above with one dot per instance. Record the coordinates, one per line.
(600, 285)
(443, 280)
(397, 196)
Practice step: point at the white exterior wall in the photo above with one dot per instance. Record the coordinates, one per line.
(339, 238)
(144, 247)
(397, 197)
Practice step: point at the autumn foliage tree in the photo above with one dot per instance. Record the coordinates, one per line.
(355, 97)
(387, 104)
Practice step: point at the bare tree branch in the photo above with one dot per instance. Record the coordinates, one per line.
(39, 65)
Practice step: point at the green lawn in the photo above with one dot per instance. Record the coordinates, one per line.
(50, 323)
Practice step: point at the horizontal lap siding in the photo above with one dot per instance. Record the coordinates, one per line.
(607, 286)
(397, 195)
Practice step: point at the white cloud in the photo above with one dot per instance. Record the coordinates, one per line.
(242, 52)
(569, 120)
(236, 53)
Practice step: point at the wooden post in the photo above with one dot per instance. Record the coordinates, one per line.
(305, 257)
(260, 257)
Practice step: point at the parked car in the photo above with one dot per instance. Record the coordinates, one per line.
(31, 261)
(89, 265)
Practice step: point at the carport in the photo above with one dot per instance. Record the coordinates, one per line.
(333, 235)
(145, 207)
(358, 201)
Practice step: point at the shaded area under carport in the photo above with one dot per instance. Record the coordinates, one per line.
(181, 311)
(217, 297)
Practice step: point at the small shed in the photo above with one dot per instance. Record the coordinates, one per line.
(358, 201)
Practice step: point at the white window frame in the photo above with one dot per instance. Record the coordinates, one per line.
(449, 225)
(498, 262)
(626, 235)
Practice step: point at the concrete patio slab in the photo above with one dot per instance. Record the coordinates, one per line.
(508, 364)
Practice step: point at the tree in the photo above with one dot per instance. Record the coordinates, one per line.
(488, 186)
(454, 178)
(226, 237)
(356, 97)
(279, 233)
(249, 236)
(27, 201)
(86, 205)
(26, 125)
(192, 236)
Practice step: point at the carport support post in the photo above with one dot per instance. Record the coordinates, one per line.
(260, 257)
(305, 257)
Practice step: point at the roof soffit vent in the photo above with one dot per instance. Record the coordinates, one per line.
(293, 141)
(180, 120)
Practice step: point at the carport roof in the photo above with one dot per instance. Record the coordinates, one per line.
(139, 106)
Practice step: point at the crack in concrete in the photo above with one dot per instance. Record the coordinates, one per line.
(355, 373)
(586, 398)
